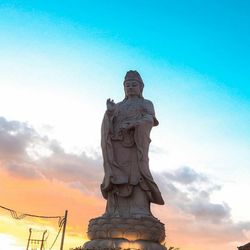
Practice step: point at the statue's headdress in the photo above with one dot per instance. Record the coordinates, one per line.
(133, 75)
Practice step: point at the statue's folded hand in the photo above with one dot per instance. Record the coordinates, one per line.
(128, 125)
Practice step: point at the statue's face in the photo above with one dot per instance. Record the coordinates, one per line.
(132, 88)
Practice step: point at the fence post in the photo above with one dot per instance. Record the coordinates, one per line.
(64, 228)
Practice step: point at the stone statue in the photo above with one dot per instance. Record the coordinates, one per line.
(128, 185)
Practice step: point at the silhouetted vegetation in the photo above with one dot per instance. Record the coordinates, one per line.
(119, 248)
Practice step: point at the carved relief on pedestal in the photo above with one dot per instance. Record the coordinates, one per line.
(148, 228)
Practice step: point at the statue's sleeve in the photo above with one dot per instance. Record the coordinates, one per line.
(107, 152)
(149, 113)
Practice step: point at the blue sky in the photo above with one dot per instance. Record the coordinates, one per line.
(210, 37)
(61, 60)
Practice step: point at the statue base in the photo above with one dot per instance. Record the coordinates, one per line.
(119, 233)
(143, 228)
(122, 244)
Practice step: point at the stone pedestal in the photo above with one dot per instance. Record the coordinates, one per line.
(113, 233)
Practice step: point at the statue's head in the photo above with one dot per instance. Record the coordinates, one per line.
(133, 84)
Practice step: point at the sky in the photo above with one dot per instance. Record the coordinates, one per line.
(61, 60)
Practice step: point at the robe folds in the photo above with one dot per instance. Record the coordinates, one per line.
(128, 184)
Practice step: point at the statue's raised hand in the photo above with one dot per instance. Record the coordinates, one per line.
(110, 105)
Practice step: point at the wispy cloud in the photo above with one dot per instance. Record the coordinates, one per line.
(22, 154)
(188, 197)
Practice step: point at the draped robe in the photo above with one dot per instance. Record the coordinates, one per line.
(128, 184)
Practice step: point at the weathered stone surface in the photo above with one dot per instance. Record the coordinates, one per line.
(128, 184)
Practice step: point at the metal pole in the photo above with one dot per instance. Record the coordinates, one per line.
(64, 228)
(29, 239)
(43, 240)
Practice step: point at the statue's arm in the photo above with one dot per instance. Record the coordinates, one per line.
(106, 131)
(149, 113)
(148, 116)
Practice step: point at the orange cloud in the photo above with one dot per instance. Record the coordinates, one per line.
(51, 183)
(44, 197)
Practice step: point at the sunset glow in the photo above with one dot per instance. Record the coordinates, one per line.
(59, 63)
